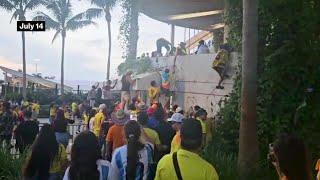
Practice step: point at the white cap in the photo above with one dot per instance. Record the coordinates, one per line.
(177, 117)
(102, 106)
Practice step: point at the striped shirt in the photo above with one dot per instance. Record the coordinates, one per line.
(119, 163)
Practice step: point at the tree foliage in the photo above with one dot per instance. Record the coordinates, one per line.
(129, 28)
(136, 65)
(288, 74)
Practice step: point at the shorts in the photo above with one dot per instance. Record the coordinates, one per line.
(221, 69)
(125, 95)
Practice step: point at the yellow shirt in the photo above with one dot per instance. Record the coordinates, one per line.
(25, 103)
(152, 135)
(203, 126)
(74, 107)
(175, 143)
(221, 59)
(154, 93)
(36, 107)
(59, 160)
(97, 123)
(53, 112)
(192, 167)
(85, 118)
(209, 129)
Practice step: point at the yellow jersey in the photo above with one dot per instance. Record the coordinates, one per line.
(151, 135)
(98, 119)
(221, 59)
(36, 107)
(192, 167)
(175, 143)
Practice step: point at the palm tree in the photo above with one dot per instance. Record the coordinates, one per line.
(63, 21)
(248, 138)
(104, 7)
(19, 9)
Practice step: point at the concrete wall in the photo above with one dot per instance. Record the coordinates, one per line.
(195, 81)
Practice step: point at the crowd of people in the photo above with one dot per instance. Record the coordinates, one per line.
(157, 144)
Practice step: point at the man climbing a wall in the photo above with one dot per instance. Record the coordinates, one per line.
(220, 63)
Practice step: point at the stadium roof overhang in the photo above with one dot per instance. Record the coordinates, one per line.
(195, 14)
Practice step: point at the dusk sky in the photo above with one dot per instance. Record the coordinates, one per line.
(86, 49)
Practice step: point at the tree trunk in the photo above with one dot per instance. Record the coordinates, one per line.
(248, 141)
(109, 53)
(24, 79)
(62, 65)
(134, 30)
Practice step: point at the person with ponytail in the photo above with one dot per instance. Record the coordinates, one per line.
(86, 161)
(133, 160)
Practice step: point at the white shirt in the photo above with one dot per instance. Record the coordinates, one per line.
(203, 49)
(103, 167)
(119, 163)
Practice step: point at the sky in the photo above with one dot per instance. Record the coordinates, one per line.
(85, 49)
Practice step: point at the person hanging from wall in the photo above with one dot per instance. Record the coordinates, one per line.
(154, 92)
(163, 43)
(220, 63)
(165, 86)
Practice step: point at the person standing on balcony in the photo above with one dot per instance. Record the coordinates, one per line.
(106, 92)
(92, 94)
(202, 48)
(126, 82)
(163, 43)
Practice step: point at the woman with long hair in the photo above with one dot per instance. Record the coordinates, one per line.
(132, 161)
(86, 162)
(47, 158)
(60, 128)
(290, 157)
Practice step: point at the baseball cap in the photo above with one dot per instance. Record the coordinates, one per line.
(177, 117)
(191, 129)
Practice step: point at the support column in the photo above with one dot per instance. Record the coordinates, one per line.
(172, 34)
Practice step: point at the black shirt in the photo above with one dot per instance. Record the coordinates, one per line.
(26, 133)
(125, 84)
(60, 126)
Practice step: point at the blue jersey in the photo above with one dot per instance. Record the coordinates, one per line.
(119, 163)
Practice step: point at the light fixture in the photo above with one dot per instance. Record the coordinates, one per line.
(217, 26)
(194, 15)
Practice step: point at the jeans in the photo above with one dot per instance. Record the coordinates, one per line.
(62, 138)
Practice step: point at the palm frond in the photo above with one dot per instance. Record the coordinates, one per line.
(75, 25)
(89, 14)
(32, 4)
(50, 22)
(104, 3)
(7, 5)
(15, 15)
(55, 9)
(55, 36)
(65, 9)
(92, 13)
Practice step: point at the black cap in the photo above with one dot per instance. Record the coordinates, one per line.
(191, 129)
